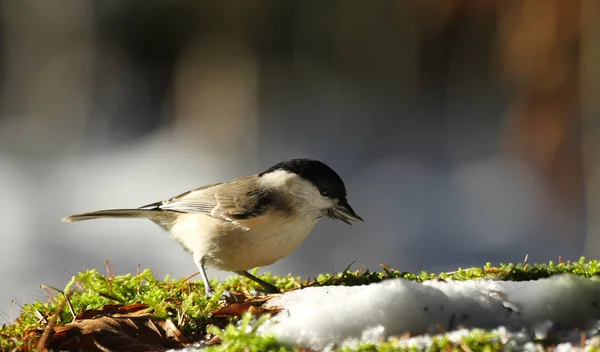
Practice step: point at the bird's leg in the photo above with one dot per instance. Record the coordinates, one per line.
(226, 295)
(200, 264)
(267, 286)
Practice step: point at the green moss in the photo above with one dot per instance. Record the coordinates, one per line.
(506, 272)
(284, 283)
(244, 337)
(183, 301)
(476, 340)
(177, 299)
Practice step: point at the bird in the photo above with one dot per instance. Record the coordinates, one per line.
(248, 222)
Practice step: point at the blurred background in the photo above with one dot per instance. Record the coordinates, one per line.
(466, 130)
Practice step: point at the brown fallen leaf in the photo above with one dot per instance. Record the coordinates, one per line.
(238, 309)
(257, 311)
(265, 298)
(213, 340)
(114, 309)
(135, 331)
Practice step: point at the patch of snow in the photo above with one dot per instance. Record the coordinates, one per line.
(319, 317)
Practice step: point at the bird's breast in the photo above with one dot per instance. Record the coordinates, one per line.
(244, 244)
(264, 241)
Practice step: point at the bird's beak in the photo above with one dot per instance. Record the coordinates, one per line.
(344, 212)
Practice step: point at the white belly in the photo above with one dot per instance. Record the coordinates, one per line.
(243, 246)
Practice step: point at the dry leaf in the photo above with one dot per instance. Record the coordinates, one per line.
(238, 309)
(113, 309)
(117, 327)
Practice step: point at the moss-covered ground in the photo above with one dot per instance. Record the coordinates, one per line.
(182, 316)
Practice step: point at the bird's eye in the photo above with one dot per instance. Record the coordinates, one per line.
(325, 192)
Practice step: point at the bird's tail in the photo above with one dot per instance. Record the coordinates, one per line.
(112, 213)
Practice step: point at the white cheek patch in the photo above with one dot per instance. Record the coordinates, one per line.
(311, 199)
(279, 178)
(324, 203)
(306, 193)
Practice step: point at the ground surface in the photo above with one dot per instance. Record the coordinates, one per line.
(482, 308)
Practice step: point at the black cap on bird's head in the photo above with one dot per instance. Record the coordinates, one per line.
(327, 181)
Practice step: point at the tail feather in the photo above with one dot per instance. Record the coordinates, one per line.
(112, 213)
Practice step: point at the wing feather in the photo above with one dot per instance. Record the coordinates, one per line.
(235, 200)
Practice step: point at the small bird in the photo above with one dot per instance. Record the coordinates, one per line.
(248, 222)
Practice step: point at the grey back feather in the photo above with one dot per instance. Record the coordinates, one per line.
(240, 199)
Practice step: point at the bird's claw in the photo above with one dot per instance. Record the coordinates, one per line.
(228, 297)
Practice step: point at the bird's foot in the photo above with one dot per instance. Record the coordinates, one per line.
(228, 297)
(209, 292)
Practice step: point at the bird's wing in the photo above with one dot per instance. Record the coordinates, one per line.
(231, 201)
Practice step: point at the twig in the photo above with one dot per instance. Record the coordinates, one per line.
(190, 277)
(110, 270)
(465, 347)
(61, 304)
(51, 288)
(41, 317)
(348, 267)
(137, 273)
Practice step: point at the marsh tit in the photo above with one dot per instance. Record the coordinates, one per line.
(248, 222)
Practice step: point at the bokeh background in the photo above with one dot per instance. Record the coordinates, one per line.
(466, 130)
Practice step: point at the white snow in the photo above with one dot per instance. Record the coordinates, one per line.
(321, 317)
